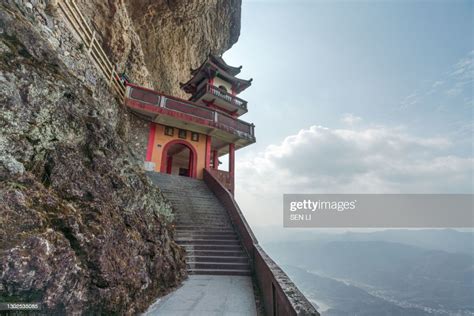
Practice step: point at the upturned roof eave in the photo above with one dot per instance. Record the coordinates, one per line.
(241, 84)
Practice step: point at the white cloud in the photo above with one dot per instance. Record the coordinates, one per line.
(438, 83)
(454, 91)
(410, 100)
(456, 82)
(371, 160)
(350, 119)
(464, 68)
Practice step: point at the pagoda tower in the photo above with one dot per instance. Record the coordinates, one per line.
(187, 136)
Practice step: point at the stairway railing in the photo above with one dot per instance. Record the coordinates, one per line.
(94, 49)
(280, 294)
(224, 177)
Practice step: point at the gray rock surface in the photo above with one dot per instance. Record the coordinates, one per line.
(82, 229)
(157, 42)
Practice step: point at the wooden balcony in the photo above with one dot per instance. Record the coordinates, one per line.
(221, 98)
(180, 113)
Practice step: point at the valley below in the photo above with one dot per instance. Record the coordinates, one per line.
(363, 274)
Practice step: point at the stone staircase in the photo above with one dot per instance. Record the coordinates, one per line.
(203, 227)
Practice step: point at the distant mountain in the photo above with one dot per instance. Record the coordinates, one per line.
(335, 298)
(448, 240)
(411, 276)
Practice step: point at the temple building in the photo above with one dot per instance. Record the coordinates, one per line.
(187, 136)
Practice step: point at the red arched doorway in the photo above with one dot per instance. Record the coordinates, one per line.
(179, 158)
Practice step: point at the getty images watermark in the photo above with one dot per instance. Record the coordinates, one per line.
(378, 210)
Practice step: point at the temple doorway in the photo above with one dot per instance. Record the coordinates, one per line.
(179, 160)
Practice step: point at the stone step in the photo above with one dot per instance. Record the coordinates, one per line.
(218, 265)
(207, 202)
(211, 221)
(204, 228)
(208, 227)
(206, 233)
(213, 247)
(220, 253)
(200, 222)
(195, 186)
(220, 272)
(240, 259)
(196, 197)
(197, 212)
(207, 213)
(197, 217)
(181, 236)
(206, 242)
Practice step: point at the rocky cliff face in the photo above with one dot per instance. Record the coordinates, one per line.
(82, 230)
(157, 42)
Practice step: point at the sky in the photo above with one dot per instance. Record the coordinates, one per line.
(354, 97)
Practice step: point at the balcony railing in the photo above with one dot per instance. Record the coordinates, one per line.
(223, 95)
(224, 178)
(202, 114)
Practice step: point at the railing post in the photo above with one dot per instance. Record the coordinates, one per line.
(127, 91)
(112, 73)
(215, 161)
(162, 101)
(92, 42)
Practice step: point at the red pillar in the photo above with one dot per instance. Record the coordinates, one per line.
(231, 158)
(215, 161)
(232, 165)
(208, 152)
(151, 141)
(169, 164)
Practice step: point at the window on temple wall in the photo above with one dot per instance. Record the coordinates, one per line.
(195, 137)
(223, 88)
(182, 133)
(169, 131)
